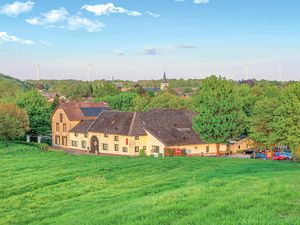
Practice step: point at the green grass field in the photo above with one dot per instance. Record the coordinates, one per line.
(55, 188)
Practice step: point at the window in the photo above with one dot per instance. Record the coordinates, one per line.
(64, 141)
(64, 127)
(137, 138)
(74, 143)
(60, 118)
(207, 149)
(57, 140)
(239, 147)
(86, 135)
(116, 138)
(155, 149)
(116, 147)
(76, 134)
(57, 127)
(125, 149)
(196, 147)
(144, 147)
(83, 144)
(106, 135)
(136, 148)
(105, 147)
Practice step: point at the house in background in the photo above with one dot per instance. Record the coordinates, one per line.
(240, 145)
(129, 133)
(68, 115)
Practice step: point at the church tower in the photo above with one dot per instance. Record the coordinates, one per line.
(164, 85)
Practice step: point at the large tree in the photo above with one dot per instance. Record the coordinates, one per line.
(14, 122)
(220, 115)
(168, 100)
(123, 101)
(262, 122)
(287, 122)
(39, 112)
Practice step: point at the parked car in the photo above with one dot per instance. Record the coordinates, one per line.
(287, 155)
(248, 151)
(262, 156)
(278, 156)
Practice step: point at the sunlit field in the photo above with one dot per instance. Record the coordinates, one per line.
(56, 188)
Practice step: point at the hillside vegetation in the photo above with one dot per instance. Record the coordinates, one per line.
(55, 188)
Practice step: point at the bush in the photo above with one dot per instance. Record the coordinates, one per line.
(42, 146)
(142, 153)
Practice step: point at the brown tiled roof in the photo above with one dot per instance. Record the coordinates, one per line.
(82, 127)
(121, 123)
(172, 127)
(74, 112)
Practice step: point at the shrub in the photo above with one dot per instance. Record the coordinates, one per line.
(42, 146)
(142, 153)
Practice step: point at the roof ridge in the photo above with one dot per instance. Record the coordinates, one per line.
(131, 124)
(88, 129)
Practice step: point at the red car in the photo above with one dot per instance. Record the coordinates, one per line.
(278, 156)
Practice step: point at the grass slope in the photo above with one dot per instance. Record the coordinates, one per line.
(56, 188)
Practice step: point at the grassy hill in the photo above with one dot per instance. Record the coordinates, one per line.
(55, 188)
(16, 81)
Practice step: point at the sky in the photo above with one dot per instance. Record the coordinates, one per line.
(139, 39)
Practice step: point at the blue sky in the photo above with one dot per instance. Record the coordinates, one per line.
(138, 39)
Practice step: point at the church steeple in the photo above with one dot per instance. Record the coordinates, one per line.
(165, 78)
(164, 84)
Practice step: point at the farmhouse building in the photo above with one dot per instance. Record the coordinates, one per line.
(97, 129)
(70, 114)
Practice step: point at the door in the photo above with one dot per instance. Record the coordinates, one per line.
(94, 144)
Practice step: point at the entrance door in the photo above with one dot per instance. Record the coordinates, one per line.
(94, 144)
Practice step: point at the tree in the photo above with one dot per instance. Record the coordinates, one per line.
(103, 88)
(55, 103)
(262, 122)
(168, 101)
(141, 104)
(14, 122)
(286, 122)
(122, 102)
(220, 116)
(39, 112)
(9, 91)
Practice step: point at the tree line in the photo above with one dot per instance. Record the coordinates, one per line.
(267, 112)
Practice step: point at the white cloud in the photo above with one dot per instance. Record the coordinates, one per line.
(4, 37)
(16, 8)
(109, 8)
(61, 16)
(49, 18)
(201, 1)
(155, 15)
(155, 50)
(195, 1)
(76, 22)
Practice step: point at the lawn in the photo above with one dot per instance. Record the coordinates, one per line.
(55, 188)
